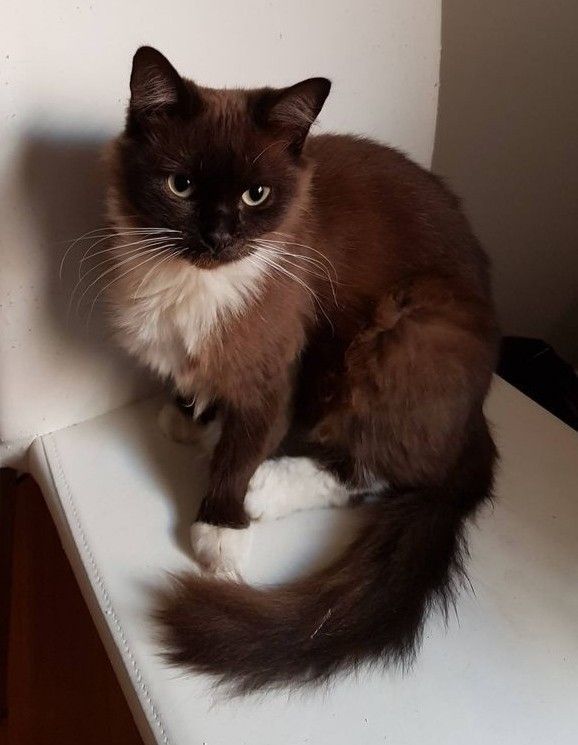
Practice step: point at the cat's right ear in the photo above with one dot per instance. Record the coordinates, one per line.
(293, 109)
(155, 86)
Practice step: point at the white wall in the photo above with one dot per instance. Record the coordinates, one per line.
(64, 82)
(507, 139)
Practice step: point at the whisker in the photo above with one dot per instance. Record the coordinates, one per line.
(278, 245)
(286, 257)
(166, 253)
(140, 249)
(322, 256)
(275, 265)
(144, 242)
(177, 253)
(143, 239)
(275, 246)
(304, 245)
(255, 260)
(116, 249)
(153, 250)
(283, 254)
(112, 232)
(299, 280)
(125, 228)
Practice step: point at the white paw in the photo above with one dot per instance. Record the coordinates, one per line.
(182, 428)
(262, 502)
(285, 485)
(219, 550)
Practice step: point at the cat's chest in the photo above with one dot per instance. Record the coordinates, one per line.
(168, 328)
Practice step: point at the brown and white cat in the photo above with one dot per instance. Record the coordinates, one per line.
(318, 298)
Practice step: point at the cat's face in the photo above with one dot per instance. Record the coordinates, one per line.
(222, 167)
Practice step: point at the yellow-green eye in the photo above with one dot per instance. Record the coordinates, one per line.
(180, 185)
(255, 195)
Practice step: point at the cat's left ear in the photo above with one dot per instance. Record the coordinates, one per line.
(294, 109)
(155, 85)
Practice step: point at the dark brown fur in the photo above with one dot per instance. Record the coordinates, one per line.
(389, 380)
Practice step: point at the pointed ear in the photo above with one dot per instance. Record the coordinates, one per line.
(294, 109)
(155, 85)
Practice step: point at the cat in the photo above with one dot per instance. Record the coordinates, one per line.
(323, 312)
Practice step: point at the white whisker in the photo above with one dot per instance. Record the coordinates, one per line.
(155, 268)
(304, 245)
(287, 258)
(110, 232)
(143, 239)
(284, 254)
(140, 249)
(103, 274)
(144, 243)
(299, 280)
(288, 255)
(167, 252)
(275, 246)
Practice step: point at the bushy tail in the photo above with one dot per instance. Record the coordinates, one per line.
(368, 605)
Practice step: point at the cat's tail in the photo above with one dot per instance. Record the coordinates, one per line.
(368, 605)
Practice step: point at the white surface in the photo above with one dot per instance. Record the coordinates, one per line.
(64, 70)
(506, 672)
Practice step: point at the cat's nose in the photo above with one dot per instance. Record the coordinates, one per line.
(216, 229)
(216, 240)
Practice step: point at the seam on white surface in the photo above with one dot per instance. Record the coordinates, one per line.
(105, 597)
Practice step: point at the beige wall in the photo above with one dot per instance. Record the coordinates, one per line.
(507, 140)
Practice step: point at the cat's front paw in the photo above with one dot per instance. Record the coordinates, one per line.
(180, 427)
(219, 550)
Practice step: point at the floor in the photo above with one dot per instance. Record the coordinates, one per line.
(61, 687)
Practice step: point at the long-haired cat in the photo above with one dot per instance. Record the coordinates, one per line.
(323, 313)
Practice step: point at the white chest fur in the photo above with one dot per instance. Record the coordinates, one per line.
(165, 320)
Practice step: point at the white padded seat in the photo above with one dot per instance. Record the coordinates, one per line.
(505, 670)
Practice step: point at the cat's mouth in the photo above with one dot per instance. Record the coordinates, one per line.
(209, 258)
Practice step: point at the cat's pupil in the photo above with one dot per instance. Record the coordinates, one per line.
(256, 192)
(182, 182)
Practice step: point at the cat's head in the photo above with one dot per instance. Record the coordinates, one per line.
(223, 167)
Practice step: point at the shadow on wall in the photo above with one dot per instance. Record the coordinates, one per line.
(60, 187)
(67, 183)
(64, 181)
(506, 141)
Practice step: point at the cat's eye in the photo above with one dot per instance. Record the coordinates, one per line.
(180, 185)
(256, 195)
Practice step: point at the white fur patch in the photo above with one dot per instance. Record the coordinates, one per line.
(165, 318)
(222, 551)
(286, 485)
(181, 428)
